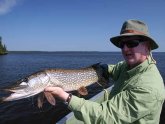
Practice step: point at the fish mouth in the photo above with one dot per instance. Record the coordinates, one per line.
(18, 96)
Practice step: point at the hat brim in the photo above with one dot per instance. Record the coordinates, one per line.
(117, 39)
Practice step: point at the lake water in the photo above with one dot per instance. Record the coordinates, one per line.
(17, 65)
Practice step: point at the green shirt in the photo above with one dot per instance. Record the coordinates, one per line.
(137, 97)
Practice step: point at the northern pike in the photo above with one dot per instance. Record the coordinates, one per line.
(68, 79)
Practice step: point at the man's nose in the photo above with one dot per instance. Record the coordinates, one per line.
(125, 48)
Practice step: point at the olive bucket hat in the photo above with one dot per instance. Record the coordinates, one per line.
(133, 28)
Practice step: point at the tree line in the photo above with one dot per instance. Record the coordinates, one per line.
(3, 49)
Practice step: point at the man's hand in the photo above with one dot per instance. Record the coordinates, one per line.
(57, 92)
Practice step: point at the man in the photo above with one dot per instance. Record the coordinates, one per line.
(138, 92)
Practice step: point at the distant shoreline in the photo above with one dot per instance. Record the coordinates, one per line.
(70, 51)
(62, 51)
(4, 53)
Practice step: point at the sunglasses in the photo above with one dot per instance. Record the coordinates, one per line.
(129, 43)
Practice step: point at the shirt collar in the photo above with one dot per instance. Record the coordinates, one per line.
(139, 68)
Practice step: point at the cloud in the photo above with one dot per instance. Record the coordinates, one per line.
(7, 5)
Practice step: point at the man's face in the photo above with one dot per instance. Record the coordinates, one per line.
(136, 54)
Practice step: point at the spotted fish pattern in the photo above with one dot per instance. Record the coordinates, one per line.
(68, 79)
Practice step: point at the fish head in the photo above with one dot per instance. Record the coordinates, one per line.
(28, 86)
(37, 80)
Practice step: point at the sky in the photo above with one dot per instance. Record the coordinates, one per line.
(75, 25)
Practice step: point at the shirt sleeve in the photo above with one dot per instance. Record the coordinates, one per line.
(126, 107)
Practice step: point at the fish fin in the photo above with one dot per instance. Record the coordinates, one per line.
(50, 98)
(83, 91)
(40, 100)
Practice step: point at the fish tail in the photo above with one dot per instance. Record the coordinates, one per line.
(102, 72)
